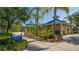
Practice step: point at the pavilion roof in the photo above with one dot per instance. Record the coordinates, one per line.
(56, 22)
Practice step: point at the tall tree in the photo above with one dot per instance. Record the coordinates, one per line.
(40, 12)
(12, 15)
(70, 19)
(66, 9)
(76, 18)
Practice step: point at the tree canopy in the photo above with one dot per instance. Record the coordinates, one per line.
(12, 15)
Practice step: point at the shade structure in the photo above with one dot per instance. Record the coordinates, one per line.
(56, 22)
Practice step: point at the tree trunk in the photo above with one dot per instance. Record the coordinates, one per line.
(36, 21)
(71, 27)
(8, 27)
(55, 11)
(7, 30)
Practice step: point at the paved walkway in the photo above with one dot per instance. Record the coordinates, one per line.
(71, 43)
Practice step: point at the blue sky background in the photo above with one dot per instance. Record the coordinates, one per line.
(60, 13)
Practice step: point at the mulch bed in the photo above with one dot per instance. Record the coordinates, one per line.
(56, 38)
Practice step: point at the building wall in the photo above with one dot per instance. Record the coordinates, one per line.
(64, 28)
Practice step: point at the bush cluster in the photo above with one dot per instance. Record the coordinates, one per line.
(6, 44)
(45, 34)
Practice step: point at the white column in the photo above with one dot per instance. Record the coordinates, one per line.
(61, 27)
(66, 30)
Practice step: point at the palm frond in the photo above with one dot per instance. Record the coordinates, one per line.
(66, 9)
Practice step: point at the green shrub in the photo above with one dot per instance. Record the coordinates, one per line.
(7, 45)
(57, 32)
(20, 45)
(3, 48)
(45, 34)
(14, 46)
(6, 37)
(5, 34)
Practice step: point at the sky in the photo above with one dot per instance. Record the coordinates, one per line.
(60, 13)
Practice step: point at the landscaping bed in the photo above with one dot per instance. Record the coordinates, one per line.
(51, 38)
(14, 46)
(7, 44)
(44, 35)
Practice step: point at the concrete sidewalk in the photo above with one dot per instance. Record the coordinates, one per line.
(34, 45)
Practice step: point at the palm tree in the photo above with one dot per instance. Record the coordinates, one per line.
(66, 9)
(24, 15)
(37, 16)
(70, 18)
(76, 18)
(36, 21)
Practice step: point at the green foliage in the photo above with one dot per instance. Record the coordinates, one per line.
(17, 46)
(40, 12)
(20, 45)
(16, 27)
(45, 34)
(76, 29)
(9, 16)
(5, 36)
(76, 18)
(8, 45)
(3, 48)
(42, 31)
(14, 46)
(66, 9)
(57, 32)
(31, 30)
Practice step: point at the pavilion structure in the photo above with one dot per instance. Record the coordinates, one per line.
(59, 25)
